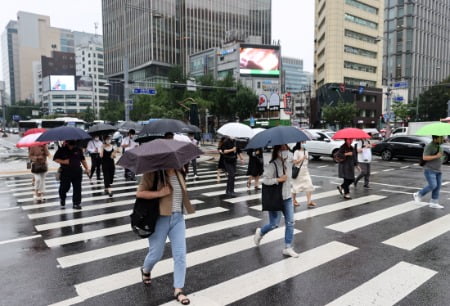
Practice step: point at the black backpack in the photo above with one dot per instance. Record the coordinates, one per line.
(145, 213)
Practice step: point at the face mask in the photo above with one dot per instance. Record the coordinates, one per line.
(108, 141)
(96, 138)
(284, 154)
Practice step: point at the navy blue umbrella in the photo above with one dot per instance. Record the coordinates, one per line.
(64, 133)
(276, 136)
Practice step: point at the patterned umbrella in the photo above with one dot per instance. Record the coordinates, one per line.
(30, 141)
(34, 131)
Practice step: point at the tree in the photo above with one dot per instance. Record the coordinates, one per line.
(22, 108)
(88, 115)
(343, 114)
(245, 102)
(113, 111)
(433, 102)
(401, 111)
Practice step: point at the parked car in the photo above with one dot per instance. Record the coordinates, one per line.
(405, 147)
(323, 144)
(400, 131)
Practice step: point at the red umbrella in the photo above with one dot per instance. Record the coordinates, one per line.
(351, 133)
(34, 131)
(30, 141)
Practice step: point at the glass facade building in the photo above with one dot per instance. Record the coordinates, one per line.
(417, 40)
(161, 33)
(295, 80)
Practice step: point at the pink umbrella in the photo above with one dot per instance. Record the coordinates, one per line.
(34, 131)
(351, 133)
(30, 141)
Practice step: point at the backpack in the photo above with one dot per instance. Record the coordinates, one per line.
(338, 157)
(145, 213)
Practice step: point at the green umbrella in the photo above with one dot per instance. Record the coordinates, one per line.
(438, 129)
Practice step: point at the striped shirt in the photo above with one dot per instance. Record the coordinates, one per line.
(177, 194)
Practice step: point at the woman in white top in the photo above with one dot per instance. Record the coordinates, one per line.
(303, 182)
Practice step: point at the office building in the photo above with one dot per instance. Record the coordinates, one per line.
(348, 55)
(294, 78)
(159, 34)
(10, 62)
(417, 36)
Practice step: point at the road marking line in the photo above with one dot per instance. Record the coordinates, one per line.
(9, 208)
(252, 282)
(374, 217)
(396, 191)
(323, 166)
(387, 170)
(103, 217)
(123, 248)
(419, 235)
(375, 172)
(445, 183)
(405, 167)
(222, 192)
(387, 288)
(20, 239)
(130, 277)
(215, 186)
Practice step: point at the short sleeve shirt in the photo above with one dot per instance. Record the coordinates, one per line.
(433, 149)
(75, 157)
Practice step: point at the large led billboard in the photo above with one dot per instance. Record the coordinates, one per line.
(62, 82)
(259, 61)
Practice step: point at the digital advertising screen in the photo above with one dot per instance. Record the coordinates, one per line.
(259, 61)
(62, 82)
(84, 83)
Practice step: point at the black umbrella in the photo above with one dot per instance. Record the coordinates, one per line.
(125, 126)
(194, 129)
(101, 128)
(162, 126)
(276, 136)
(64, 133)
(159, 154)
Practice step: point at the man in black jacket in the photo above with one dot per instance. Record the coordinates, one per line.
(230, 154)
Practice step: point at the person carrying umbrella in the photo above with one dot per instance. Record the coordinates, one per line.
(128, 143)
(364, 149)
(38, 156)
(278, 164)
(230, 153)
(94, 146)
(107, 155)
(71, 157)
(347, 167)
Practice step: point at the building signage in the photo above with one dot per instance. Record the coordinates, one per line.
(287, 99)
(144, 91)
(262, 103)
(226, 52)
(401, 84)
(274, 102)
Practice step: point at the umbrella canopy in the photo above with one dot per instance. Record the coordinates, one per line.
(236, 129)
(34, 131)
(181, 137)
(351, 133)
(438, 129)
(64, 133)
(162, 126)
(30, 141)
(194, 129)
(257, 130)
(159, 154)
(277, 136)
(102, 128)
(125, 126)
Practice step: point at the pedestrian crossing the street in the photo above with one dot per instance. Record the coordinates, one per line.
(100, 255)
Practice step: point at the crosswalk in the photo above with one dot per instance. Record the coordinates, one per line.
(224, 265)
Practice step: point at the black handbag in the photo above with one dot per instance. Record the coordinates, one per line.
(296, 171)
(272, 195)
(145, 213)
(39, 167)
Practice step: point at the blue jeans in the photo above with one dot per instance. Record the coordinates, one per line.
(434, 180)
(274, 220)
(174, 228)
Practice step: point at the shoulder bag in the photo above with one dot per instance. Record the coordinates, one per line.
(272, 195)
(145, 213)
(296, 169)
(39, 168)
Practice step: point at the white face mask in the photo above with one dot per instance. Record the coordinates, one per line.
(108, 141)
(284, 154)
(96, 138)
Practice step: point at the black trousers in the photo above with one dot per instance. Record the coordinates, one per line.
(108, 168)
(194, 166)
(71, 177)
(346, 184)
(230, 168)
(96, 163)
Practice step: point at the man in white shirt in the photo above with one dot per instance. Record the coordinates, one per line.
(94, 146)
(128, 143)
(364, 149)
(194, 161)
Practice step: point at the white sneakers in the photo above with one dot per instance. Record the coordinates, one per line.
(257, 238)
(417, 197)
(435, 205)
(290, 252)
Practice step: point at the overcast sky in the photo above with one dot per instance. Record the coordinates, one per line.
(292, 22)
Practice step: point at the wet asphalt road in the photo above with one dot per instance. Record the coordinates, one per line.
(389, 250)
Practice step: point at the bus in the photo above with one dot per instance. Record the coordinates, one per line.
(25, 125)
(63, 121)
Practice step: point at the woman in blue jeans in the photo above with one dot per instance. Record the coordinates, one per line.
(281, 159)
(173, 202)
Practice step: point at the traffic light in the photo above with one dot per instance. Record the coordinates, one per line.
(342, 87)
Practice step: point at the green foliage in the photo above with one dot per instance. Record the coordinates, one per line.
(401, 111)
(113, 111)
(22, 108)
(343, 114)
(433, 102)
(88, 115)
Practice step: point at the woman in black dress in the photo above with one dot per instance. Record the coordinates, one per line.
(348, 162)
(255, 166)
(220, 165)
(107, 154)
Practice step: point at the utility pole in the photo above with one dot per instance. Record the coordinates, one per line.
(126, 93)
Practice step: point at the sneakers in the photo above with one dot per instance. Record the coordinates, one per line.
(417, 197)
(257, 238)
(76, 206)
(290, 252)
(436, 205)
(367, 187)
